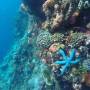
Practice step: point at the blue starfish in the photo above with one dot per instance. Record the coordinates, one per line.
(67, 60)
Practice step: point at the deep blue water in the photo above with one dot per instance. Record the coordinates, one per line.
(8, 11)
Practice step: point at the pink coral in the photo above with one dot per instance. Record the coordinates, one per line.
(54, 47)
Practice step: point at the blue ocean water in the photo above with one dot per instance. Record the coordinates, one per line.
(8, 11)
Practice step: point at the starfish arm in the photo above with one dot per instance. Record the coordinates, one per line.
(64, 68)
(62, 53)
(76, 61)
(72, 53)
(60, 62)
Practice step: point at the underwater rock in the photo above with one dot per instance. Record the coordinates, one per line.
(87, 79)
(47, 75)
(35, 7)
(88, 25)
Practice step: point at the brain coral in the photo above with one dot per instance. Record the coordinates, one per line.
(44, 39)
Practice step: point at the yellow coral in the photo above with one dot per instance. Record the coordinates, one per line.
(45, 25)
(57, 20)
(48, 3)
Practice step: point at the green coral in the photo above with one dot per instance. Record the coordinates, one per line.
(86, 64)
(57, 37)
(76, 37)
(44, 39)
(81, 70)
(47, 75)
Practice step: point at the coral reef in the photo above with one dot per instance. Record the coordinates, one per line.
(59, 11)
(52, 50)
